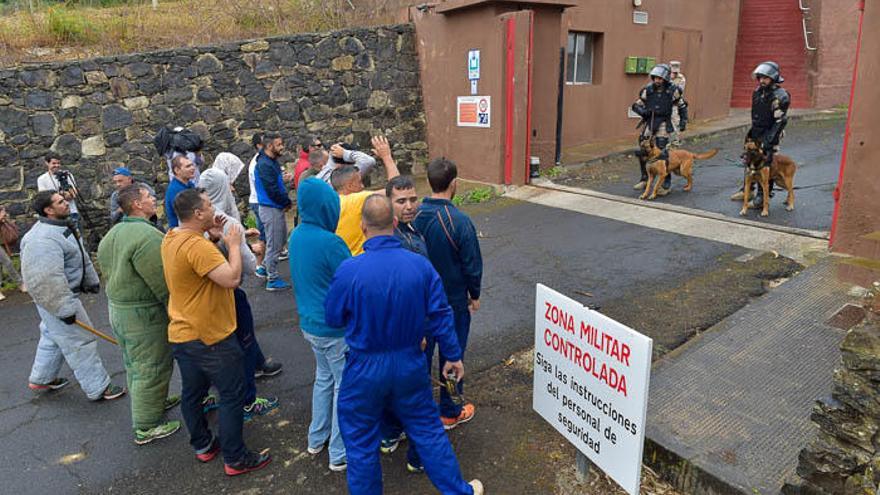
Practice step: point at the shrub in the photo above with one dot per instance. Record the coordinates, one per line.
(68, 26)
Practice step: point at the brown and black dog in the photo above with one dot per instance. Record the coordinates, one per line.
(781, 172)
(680, 161)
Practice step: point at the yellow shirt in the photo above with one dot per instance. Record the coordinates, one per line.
(351, 207)
(198, 308)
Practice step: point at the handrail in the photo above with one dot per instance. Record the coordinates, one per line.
(805, 12)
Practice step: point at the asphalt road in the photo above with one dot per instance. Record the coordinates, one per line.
(61, 443)
(816, 147)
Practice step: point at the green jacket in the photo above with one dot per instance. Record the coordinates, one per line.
(131, 264)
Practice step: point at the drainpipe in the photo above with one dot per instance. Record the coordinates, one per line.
(846, 136)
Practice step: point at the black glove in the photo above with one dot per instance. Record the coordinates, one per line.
(682, 125)
(69, 320)
(92, 289)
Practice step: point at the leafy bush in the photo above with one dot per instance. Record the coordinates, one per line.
(68, 26)
(475, 196)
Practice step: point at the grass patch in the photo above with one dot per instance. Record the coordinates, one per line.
(475, 196)
(553, 172)
(70, 27)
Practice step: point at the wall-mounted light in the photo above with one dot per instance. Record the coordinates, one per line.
(637, 3)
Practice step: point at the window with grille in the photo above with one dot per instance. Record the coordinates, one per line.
(579, 57)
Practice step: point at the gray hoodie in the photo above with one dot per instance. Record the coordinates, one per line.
(362, 161)
(54, 266)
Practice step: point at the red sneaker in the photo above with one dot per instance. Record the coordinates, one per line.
(467, 414)
(252, 461)
(53, 385)
(210, 453)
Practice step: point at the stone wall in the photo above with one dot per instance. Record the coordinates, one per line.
(99, 113)
(845, 456)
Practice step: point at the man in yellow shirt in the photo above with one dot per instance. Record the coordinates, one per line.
(347, 181)
(201, 310)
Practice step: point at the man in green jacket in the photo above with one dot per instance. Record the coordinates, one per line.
(131, 263)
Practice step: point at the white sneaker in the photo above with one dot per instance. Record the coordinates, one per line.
(477, 485)
(316, 450)
(2, 297)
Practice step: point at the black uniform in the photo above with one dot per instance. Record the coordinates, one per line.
(769, 116)
(654, 106)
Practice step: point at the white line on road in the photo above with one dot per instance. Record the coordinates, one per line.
(798, 247)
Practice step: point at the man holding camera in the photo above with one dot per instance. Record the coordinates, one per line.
(56, 269)
(62, 181)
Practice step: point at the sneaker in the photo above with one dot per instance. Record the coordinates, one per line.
(172, 401)
(53, 385)
(210, 452)
(477, 485)
(640, 184)
(271, 368)
(143, 437)
(467, 414)
(261, 272)
(737, 196)
(415, 469)
(316, 450)
(113, 392)
(209, 403)
(252, 461)
(2, 297)
(260, 407)
(338, 467)
(389, 445)
(663, 191)
(277, 285)
(284, 255)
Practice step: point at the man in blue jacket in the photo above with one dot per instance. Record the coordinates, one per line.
(184, 170)
(273, 200)
(389, 299)
(455, 253)
(315, 253)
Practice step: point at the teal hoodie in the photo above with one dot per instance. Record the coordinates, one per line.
(315, 253)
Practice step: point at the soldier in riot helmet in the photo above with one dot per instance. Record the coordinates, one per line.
(770, 104)
(654, 106)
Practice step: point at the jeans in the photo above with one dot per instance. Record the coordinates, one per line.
(275, 226)
(329, 361)
(449, 409)
(244, 332)
(220, 365)
(60, 342)
(397, 381)
(255, 208)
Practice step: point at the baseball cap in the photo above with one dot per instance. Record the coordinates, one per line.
(122, 171)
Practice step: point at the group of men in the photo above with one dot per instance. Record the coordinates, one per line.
(663, 110)
(380, 282)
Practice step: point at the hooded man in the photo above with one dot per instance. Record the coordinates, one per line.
(56, 269)
(316, 252)
(131, 263)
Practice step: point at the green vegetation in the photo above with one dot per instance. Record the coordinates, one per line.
(475, 196)
(553, 172)
(9, 285)
(69, 26)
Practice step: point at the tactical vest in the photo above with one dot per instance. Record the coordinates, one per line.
(659, 101)
(762, 105)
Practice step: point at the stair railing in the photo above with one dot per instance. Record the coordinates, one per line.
(805, 14)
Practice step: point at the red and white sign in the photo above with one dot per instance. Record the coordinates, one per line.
(591, 383)
(474, 111)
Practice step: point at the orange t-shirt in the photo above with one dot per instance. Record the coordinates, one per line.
(351, 208)
(198, 308)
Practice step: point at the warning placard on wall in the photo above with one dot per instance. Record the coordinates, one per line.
(474, 111)
(591, 383)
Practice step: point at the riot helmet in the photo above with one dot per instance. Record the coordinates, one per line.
(768, 69)
(662, 71)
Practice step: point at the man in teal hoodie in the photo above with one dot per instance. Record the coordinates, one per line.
(315, 253)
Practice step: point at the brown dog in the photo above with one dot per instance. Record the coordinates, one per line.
(681, 162)
(781, 172)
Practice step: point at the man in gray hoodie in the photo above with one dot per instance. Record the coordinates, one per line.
(57, 269)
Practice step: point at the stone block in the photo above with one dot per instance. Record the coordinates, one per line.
(13, 121)
(280, 91)
(93, 146)
(41, 100)
(208, 95)
(72, 75)
(345, 62)
(96, 77)
(266, 68)
(378, 99)
(208, 64)
(121, 87)
(255, 46)
(137, 102)
(136, 69)
(5, 100)
(44, 124)
(115, 117)
(179, 95)
(68, 146)
(71, 101)
(233, 106)
(67, 125)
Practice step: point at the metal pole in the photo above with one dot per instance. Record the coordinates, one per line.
(583, 466)
(559, 106)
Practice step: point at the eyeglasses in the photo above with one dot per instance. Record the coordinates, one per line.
(317, 145)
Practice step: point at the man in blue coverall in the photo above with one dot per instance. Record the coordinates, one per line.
(389, 299)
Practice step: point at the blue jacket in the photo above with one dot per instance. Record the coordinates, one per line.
(174, 188)
(411, 238)
(315, 253)
(453, 249)
(384, 297)
(269, 183)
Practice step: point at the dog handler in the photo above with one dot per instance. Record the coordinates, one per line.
(388, 299)
(654, 106)
(770, 104)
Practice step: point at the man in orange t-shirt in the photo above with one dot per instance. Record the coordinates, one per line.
(201, 310)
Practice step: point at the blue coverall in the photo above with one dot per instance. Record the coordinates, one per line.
(383, 298)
